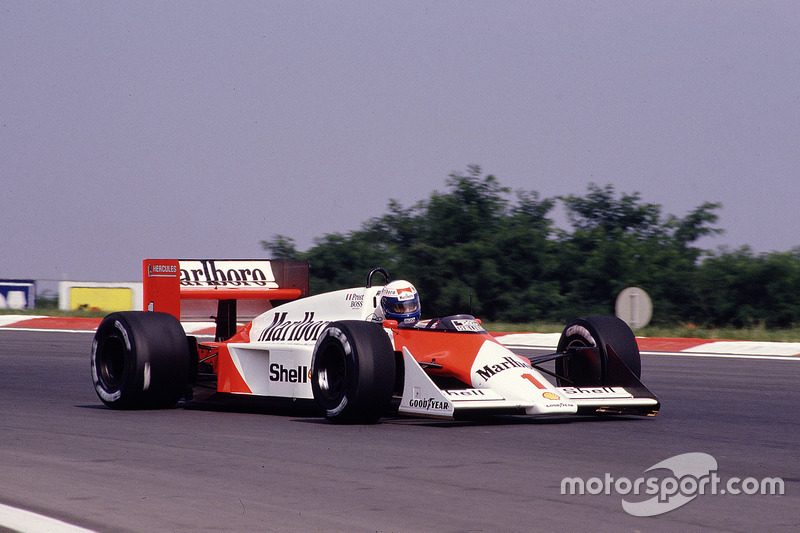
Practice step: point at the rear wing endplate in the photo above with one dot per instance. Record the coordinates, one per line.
(175, 285)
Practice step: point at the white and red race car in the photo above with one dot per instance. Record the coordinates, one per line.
(332, 349)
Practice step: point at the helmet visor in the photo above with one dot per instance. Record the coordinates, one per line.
(401, 308)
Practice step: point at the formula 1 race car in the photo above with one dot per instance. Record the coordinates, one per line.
(348, 352)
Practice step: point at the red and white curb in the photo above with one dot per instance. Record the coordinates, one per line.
(543, 341)
(689, 347)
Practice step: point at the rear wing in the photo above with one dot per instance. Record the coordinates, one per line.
(187, 287)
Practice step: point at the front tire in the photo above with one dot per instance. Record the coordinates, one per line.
(353, 371)
(592, 364)
(140, 360)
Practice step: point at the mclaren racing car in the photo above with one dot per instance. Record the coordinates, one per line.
(358, 353)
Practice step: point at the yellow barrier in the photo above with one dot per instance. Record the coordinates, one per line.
(101, 298)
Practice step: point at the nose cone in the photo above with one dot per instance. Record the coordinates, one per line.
(513, 378)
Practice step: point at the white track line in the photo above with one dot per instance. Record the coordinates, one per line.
(30, 522)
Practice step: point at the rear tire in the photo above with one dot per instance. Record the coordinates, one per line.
(353, 371)
(592, 367)
(140, 360)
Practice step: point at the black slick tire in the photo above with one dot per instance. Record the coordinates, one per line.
(353, 372)
(140, 360)
(592, 364)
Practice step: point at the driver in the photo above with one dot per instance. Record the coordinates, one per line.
(399, 301)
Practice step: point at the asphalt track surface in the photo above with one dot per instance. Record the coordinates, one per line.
(225, 465)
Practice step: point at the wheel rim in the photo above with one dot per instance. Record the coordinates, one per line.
(332, 372)
(583, 374)
(111, 363)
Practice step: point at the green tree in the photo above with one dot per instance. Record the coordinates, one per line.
(618, 242)
(741, 288)
(471, 210)
(477, 246)
(281, 246)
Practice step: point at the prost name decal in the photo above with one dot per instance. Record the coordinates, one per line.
(356, 300)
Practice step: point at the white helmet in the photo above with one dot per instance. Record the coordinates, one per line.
(400, 301)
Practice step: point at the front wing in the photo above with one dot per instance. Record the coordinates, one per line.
(422, 397)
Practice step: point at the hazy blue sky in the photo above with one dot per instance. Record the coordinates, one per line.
(196, 129)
